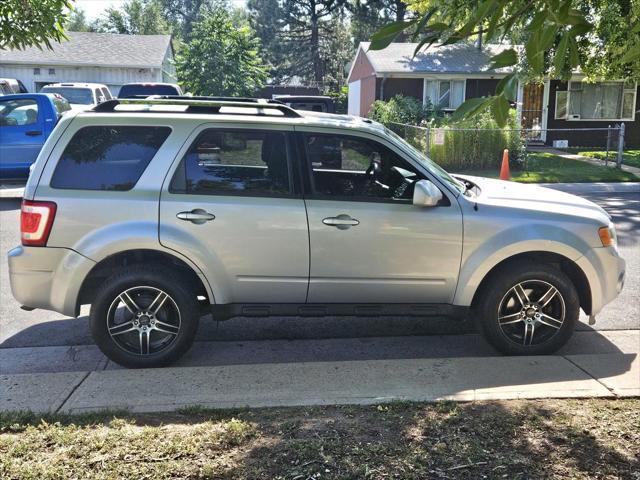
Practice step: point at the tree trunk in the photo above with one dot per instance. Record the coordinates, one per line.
(315, 45)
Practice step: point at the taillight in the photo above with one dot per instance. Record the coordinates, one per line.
(36, 220)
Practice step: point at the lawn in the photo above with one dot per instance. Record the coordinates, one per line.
(550, 168)
(593, 438)
(629, 157)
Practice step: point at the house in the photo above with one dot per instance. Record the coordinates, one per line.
(448, 75)
(107, 58)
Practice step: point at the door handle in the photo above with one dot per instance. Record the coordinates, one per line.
(33, 133)
(341, 222)
(197, 216)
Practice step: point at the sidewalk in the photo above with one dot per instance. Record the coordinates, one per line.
(302, 383)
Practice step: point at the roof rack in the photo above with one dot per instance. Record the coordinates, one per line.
(211, 105)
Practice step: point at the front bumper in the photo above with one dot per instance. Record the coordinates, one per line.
(605, 271)
(48, 278)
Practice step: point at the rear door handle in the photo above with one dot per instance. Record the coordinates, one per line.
(341, 222)
(197, 216)
(33, 133)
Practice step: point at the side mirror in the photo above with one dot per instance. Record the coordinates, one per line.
(426, 194)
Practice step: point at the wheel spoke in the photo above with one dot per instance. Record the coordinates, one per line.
(144, 342)
(129, 303)
(121, 328)
(521, 295)
(157, 302)
(508, 319)
(550, 321)
(529, 329)
(547, 297)
(166, 327)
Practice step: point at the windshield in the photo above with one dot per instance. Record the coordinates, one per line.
(129, 91)
(83, 96)
(429, 164)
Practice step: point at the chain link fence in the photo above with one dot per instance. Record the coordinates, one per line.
(481, 148)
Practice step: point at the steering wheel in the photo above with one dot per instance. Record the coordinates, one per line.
(403, 179)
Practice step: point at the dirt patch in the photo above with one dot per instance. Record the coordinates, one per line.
(509, 439)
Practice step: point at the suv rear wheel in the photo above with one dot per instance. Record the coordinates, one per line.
(528, 309)
(144, 317)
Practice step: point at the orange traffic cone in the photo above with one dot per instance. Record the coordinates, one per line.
(504, 168)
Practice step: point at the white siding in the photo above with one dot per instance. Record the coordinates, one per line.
(353, 102)
(114, 78)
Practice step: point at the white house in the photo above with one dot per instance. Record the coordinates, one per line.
(108, 58)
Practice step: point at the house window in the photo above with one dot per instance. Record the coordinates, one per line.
(36, 71)
(599, 101)
(52, 71)
(444, 94)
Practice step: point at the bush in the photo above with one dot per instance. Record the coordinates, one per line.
(401, 109)
(475, 143)
(341, 98)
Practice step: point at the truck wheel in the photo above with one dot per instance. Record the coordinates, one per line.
(144, 316)
(528, 309)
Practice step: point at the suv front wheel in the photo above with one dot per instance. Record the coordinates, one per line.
(528, 309)
(144, 317)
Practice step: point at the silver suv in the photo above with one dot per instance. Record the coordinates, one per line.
(157, 211)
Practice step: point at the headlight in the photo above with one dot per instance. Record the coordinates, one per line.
(607, 236)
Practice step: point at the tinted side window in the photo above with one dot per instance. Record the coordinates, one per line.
(107, 157)
(235, 163)
(356, 168)
(18, 112)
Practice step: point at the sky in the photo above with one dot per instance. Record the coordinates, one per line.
(93, 8)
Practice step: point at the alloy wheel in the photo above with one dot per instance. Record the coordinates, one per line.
(143, 320)
(531, 312)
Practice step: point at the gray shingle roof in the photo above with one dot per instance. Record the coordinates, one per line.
(459, 58)
(96, 49)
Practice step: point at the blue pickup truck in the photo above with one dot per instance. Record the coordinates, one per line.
(26, 121)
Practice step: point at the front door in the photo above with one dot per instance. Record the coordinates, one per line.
(533, 125)
(369, 243)
(232, 208)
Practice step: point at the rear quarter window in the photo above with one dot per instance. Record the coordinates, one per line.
(107, 157)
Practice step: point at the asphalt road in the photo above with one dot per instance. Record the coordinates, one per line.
(19, 328)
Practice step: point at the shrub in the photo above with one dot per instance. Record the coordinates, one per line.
(475, 143)
(401, 109)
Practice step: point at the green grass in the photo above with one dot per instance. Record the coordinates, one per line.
(629, 157)
(556, 439)
(550, 168)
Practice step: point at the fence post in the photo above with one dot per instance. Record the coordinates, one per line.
(606, 155)
(427, 142)
(620, 146)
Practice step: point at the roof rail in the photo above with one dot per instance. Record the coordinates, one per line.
(209, 105)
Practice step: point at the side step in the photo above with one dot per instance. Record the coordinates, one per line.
(224, 312)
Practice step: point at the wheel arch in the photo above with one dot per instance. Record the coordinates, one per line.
(142, 256)
(564, 264)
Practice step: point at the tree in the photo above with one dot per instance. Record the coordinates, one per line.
(368, 16)
(221, 58)
(559, 37)
(305, 23)
(27, 23)
(135, 17)
(182, 14)
(77, 22)
(265, 17)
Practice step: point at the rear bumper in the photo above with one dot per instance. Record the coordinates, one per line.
(48, 278)
(605, 269)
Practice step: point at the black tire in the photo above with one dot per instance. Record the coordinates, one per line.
(501, 316)
(167, 334)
